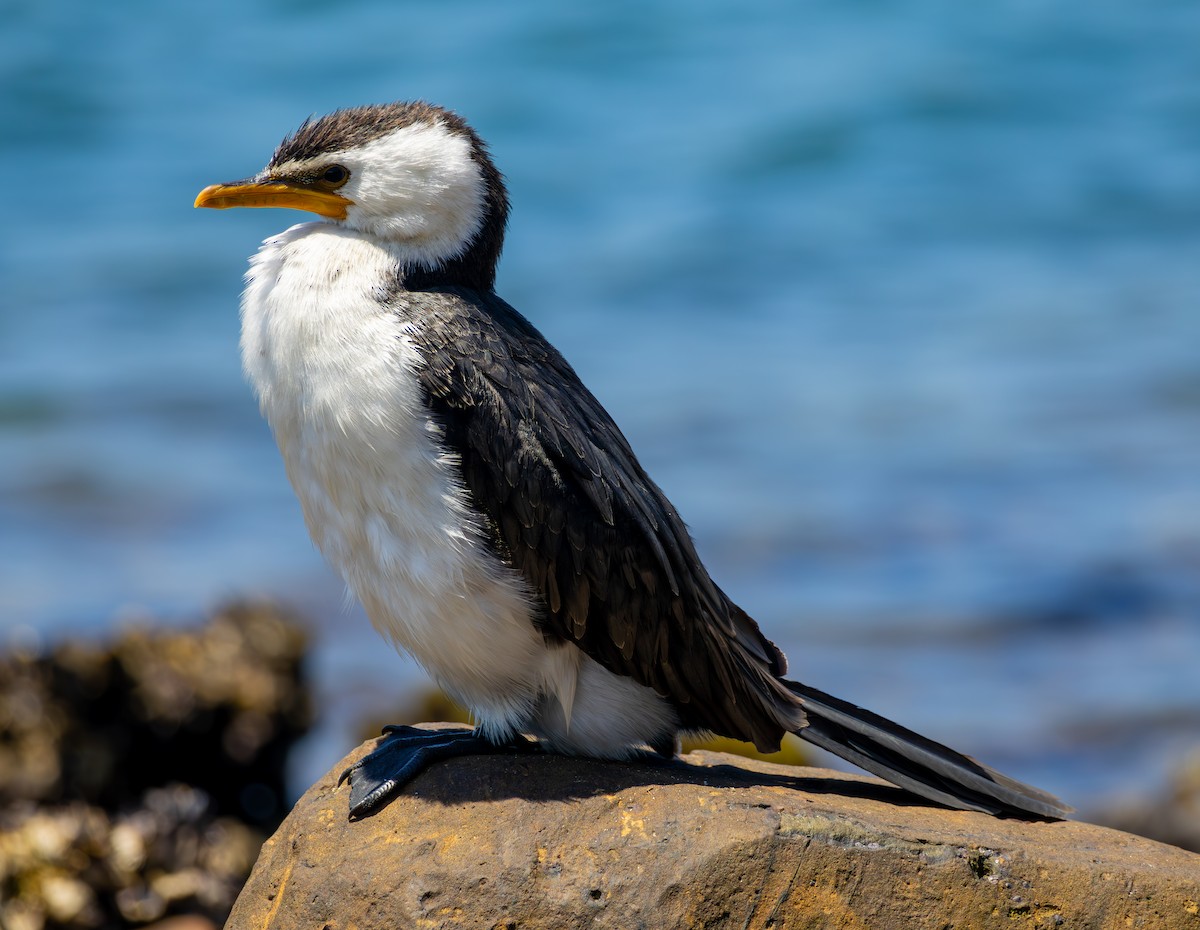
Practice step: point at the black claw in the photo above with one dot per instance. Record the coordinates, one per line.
(404, 753)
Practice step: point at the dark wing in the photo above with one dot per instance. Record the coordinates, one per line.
(571, 509)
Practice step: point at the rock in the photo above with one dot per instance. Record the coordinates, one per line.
(218, 707)
(139, 777)
(77, 866)
(539, 841)
(1171, 817)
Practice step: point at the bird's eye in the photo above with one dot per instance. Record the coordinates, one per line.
(336, 175)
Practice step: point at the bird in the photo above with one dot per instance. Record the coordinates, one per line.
(481, 503)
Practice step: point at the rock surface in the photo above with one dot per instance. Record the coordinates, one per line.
(77, 867)
(1173, 816)
(139, 776)
(712, 841)
(217, 706)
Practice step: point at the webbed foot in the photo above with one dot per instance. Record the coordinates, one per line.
(377, 777)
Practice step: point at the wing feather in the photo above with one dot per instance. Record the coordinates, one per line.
(570, 508)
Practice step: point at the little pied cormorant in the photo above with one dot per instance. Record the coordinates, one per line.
(481, 503)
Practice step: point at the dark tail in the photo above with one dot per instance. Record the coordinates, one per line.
(915, 763)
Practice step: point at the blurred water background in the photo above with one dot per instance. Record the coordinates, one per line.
(898, 303)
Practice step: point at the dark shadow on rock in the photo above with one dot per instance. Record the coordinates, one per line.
(543, 776)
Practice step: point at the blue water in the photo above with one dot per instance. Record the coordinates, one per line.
(898, 302)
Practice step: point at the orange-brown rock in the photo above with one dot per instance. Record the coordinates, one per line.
(538, 841)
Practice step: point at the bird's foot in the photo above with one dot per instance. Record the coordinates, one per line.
(405, 752)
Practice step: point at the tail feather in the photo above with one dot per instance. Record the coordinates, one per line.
(914, 762)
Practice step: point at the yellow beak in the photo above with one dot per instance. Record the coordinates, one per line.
(274, 194)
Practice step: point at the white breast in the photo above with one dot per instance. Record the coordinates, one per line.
(334, 373)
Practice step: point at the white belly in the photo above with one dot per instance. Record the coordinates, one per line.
(335, 376)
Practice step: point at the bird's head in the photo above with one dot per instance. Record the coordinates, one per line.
(412, 175)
